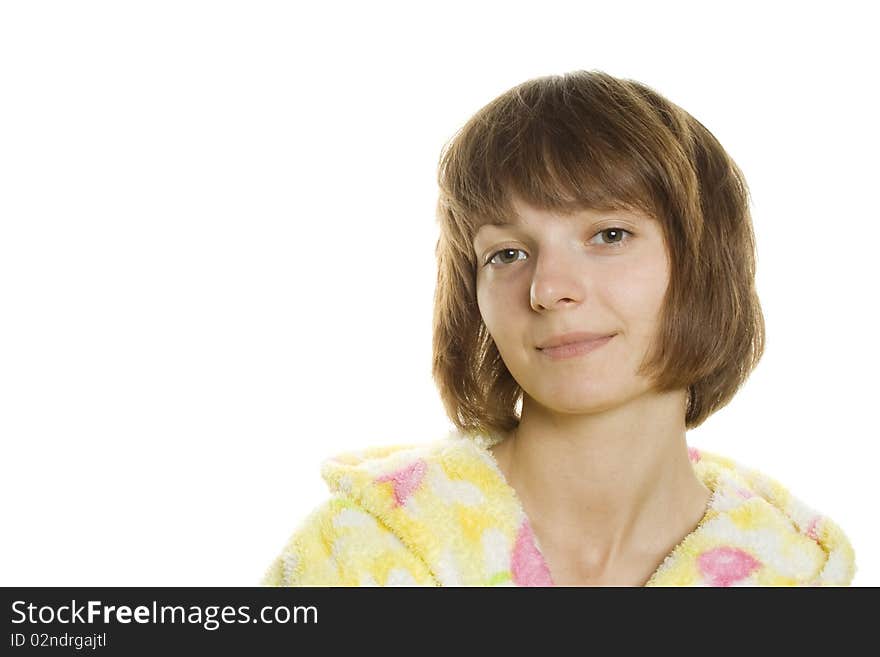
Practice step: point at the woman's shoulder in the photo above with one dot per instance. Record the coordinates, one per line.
(400, 513)
(395, 472)
(760, 514)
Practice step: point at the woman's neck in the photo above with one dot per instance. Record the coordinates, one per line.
(606, 488)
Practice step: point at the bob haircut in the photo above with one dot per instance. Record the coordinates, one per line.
(588, 140)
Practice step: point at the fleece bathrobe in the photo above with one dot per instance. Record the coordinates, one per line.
(442, 514)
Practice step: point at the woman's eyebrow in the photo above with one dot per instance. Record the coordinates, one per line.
(499, 224)
(585, 215)
(517, 221)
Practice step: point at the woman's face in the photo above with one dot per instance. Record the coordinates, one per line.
(552, 274)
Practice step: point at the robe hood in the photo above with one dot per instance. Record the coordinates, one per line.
(449, 505)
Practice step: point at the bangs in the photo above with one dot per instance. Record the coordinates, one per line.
(555, 149)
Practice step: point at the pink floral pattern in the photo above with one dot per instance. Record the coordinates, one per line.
(527, 565)
(725, 566)
(405, 481)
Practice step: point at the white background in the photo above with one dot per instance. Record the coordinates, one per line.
(217, 253)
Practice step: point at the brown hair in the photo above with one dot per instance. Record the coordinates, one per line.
(586, 139)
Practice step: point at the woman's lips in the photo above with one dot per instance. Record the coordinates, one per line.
(574, 349)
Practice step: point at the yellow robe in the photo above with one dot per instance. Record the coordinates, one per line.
(442, 514)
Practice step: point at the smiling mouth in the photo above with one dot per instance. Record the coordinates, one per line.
(574, 349)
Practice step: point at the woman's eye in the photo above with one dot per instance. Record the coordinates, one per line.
(615, 233)
(615, 240)
(502, 251)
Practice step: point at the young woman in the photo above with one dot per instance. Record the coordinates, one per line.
(595, 299)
